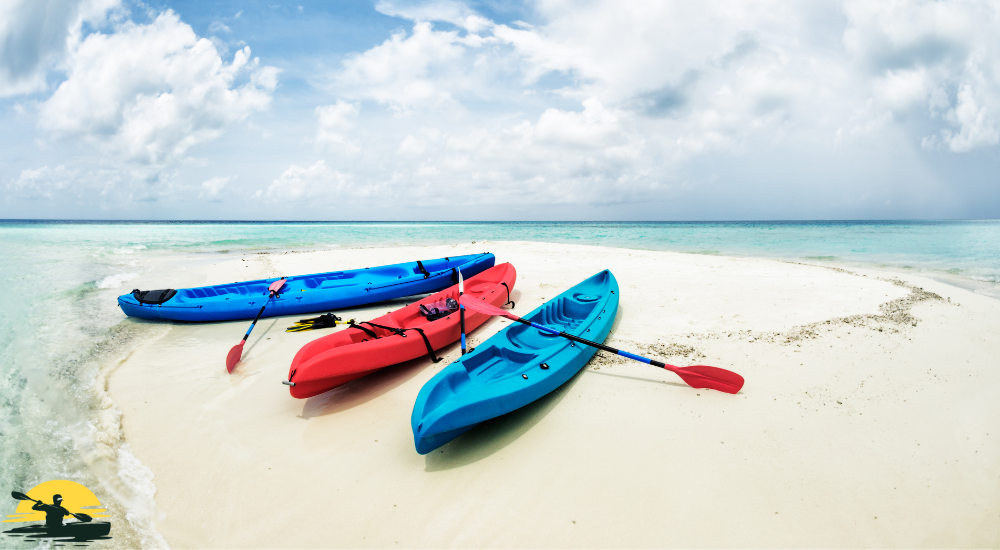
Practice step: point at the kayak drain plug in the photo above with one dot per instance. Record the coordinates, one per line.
(545, 366)
(525, 376)
(287, 383)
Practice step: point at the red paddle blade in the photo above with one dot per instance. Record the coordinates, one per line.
(486, 309)
(234, 356)
(712, 378)
(276, 285)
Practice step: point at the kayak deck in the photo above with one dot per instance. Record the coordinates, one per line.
(338, 358)
(516, 366)
(303, 293)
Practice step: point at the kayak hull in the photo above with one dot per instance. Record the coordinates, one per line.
(308, 293)
(516, 366)
(348, 354)
(77, 531)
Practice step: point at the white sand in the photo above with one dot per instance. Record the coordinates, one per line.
(871, 432)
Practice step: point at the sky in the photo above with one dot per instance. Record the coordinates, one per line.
(490, 110)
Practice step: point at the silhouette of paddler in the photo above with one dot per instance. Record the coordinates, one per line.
(54, 513)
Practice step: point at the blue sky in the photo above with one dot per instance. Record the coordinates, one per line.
(719, 110)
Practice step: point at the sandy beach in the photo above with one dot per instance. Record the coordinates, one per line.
(868, 419)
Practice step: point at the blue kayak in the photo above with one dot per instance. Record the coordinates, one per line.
(304, 293)
(515, 366)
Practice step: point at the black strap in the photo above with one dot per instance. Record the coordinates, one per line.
(369, 332)
(423, 269)
(430, 350)
(398, 332)
(509, 301)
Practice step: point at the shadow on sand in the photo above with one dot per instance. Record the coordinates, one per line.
(364, 389)
(495, 434)
(262, 335)
(650, 380)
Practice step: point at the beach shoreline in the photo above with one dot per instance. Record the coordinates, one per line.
(622, 455)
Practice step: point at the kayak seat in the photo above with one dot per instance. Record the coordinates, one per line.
(531, 338)
(439, 264)
(153, 297)
(481, 287)
(357, 336)
(408, 319)
(326, 279)
(495, 362)
(564, 315)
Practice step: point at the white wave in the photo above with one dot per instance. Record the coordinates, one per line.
(115, 281)
(141, 508)
(130, 249)
(992, 279)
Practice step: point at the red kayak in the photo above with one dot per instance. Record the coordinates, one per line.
(402, 335)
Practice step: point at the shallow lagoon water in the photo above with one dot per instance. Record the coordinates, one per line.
(61, 325)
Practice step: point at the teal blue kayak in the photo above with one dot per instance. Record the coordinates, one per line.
(515, 366)
(303, 293)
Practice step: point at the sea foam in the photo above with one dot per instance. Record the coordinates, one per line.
(115, 281)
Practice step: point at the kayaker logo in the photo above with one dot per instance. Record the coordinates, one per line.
(68, 512)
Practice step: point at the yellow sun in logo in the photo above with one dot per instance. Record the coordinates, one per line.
(76, 498)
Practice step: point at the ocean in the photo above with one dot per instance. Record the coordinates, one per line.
(61, 330)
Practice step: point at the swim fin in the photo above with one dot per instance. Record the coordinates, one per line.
(328, 320)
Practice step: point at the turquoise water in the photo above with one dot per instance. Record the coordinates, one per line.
(968, 249)
(60, 325)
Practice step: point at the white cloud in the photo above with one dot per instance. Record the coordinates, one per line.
(299, 184)
(661, 85)
(211, 188)
(334, 123)
(938, 56)
(35, 36)
(976, 119)
(585, 104)
(150, 92)
(402, 72)
(219, 26)
(594, 127)
(451, 11)
(412, 146)
(41, 183)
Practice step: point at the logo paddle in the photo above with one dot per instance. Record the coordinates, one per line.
(21, 496)
(698, 376)
(236, 353)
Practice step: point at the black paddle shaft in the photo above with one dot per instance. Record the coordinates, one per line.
(598, 346)
(257, 318)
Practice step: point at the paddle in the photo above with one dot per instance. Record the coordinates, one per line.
(698, 376)
(22, 496)
(461, 308)
(236, 353)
